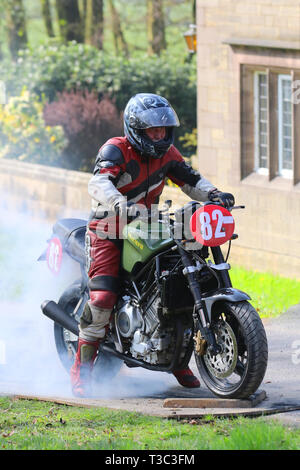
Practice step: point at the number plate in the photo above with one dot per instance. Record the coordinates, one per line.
(54, 255)
(212, 225)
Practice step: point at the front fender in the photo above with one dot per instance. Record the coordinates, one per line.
(228, 294)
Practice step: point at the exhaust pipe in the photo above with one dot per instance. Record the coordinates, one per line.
(55, 312)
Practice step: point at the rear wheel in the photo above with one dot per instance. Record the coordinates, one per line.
(106, 365)
(65, 341)
(239, 369)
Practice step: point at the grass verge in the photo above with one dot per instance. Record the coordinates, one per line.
(270, 294)
(34, 425)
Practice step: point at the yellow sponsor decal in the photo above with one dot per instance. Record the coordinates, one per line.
(136, 242)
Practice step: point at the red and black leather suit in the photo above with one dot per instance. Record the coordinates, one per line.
(122, 174)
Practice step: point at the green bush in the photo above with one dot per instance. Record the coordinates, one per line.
(54, 68)
(24, 135)
(189, 139)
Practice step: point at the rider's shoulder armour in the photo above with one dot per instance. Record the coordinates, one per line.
(108, 156)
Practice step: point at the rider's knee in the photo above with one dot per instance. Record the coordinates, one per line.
(103, 299)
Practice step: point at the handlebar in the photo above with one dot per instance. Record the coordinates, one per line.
(221, 205)
(159, 214)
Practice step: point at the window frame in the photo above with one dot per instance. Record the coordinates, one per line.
(249, 161)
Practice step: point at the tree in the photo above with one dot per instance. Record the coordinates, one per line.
(16, 26)
(120, 43)
(2, 23)
(93, 21)
(195, 11)
(155, 27)
(70, 22)
(88, 21)
(46, 12)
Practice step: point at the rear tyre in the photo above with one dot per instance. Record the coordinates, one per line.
(65, 341)
(106, 367)
(240, 368)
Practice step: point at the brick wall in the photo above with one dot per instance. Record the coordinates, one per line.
(269, 228)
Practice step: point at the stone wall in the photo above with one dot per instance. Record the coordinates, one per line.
(228, 32)
(49, 193)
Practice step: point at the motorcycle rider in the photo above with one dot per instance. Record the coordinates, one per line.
(130, 169)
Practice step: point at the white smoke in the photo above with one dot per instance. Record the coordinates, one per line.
(29, 362)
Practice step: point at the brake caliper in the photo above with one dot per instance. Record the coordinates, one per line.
(200, 344)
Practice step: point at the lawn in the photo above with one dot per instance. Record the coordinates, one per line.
(270, 294)
(34, 425)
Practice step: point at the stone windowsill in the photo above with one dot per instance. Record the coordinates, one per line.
(277, 183)
(261, 43)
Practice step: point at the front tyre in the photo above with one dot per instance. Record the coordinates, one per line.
(239, 369)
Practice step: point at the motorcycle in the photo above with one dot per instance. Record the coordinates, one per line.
(176, 299)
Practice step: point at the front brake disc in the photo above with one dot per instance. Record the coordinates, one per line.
(223, 364)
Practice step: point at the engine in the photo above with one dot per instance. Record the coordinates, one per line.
(144, 336)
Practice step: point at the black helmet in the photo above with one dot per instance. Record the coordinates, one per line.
(146, 110)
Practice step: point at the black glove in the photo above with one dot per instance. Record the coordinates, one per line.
(226, 199)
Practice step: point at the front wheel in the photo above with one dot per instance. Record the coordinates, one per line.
(239, 369)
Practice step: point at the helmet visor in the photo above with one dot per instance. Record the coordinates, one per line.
(155, 117)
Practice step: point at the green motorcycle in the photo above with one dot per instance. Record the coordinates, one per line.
(176, 299)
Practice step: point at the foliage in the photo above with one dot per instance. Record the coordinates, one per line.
(16, 26)
(23, 134)
(49, 68)
(133, 18)
(189, 139)
(261, 288)
(52, 69)
(87, 123)
(35, 425)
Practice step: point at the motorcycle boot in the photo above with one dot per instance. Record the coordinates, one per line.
(92, 330)
(186, 378)
(81, 371)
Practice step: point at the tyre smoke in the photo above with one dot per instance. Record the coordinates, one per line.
(29, 363)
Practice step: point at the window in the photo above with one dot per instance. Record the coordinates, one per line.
(285, 125)
(261, 122)
(269, 141)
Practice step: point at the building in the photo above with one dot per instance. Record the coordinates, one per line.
(248, 56)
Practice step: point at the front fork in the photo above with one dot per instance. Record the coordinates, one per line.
(200, 314)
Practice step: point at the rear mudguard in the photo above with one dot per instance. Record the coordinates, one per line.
(228, 294)
(43, 256)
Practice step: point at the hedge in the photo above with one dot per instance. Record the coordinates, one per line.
(54, 68)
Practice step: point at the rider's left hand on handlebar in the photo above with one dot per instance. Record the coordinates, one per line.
(226, 199)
